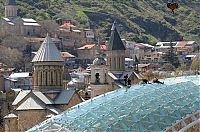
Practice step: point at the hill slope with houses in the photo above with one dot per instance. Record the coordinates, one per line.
(141, 21)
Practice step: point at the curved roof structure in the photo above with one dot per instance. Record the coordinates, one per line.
(48, 52)
(152, 107)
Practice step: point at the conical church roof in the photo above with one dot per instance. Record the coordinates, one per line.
(115, 42)
(48, 52)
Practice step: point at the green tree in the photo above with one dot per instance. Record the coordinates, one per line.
(171, 56)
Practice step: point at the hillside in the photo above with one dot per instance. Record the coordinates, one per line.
(142, 21)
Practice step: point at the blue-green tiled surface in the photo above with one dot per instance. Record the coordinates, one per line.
(151, 107)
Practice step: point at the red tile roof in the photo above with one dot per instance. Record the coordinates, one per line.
(181, 44)
(67, 25)
(90, 46)
(87, 46)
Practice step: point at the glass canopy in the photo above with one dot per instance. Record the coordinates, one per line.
(150, 107)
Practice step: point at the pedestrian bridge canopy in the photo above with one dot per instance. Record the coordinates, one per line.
(149, 107)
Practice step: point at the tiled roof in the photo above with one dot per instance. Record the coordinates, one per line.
(67, 25)
(90, 46)
(181, 44)
(67, 55)
(115, 42)
(48, 52)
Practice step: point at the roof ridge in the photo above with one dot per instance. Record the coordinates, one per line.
(47, 52)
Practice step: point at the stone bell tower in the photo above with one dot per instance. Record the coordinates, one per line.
(11, 9)
(99, 69)
(99, 74)
(48, 67)
(116, 51)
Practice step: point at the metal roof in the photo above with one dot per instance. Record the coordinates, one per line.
(31, 104)
(115, 42)
(11, 115)
(20, 96)
(65, 96)
(20, 75)
(29, 20)
(48, 52)
(42, 97)
(54, 110)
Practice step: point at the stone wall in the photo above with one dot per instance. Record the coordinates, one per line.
(11, 125)
(29, 118)
(74, 101)
(100, 89)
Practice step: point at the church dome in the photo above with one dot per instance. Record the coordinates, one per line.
(150, 107)
(99, 61)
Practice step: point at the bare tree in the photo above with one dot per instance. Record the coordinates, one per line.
(195, 66)
(49, 26)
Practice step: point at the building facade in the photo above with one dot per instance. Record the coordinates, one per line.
(48, 96)
(12, 23)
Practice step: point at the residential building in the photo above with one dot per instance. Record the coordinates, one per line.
(87, 53)
(74, 37)
(12, 23)
(137, 49)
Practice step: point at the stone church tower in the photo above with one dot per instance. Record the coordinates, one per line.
(99, 75)
(116, 52)
(11, 9)
(48, 68)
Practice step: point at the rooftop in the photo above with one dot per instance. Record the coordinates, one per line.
(48, 52)
(115, 42)
(140, 108)
(90, 46)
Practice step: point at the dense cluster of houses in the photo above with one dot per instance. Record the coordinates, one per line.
(74, 67)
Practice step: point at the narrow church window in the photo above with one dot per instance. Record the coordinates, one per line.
(46, 77)
(56, 77)
(110, 62)
(114, 62)
(119, 63)
(51, 78)
(41, 78)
